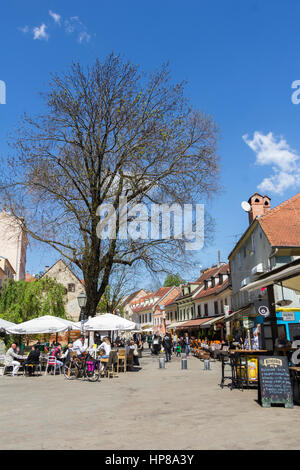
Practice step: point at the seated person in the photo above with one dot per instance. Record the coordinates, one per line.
(79, 347)
(282, 344)
(106, 347)
(55, 355)
(133, 345)
(10, 359)
(33, 358)
(66, 355)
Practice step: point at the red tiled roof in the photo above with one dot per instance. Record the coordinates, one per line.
(282, 224)
(213, 290)
(29, 278)
(163, 291)
(208, 273)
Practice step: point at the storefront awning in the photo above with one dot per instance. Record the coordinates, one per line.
(174, 325)
(147, 327)
(212, 322)
(235, 314)
(194, 323)
(289, 277)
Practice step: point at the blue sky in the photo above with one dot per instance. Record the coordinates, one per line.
(239, 58)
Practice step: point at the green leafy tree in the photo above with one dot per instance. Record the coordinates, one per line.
(173, 280)
(21, 301)
(108, 131)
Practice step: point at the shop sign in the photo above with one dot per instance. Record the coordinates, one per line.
(248, 324)
(262, 308)
(288, 316)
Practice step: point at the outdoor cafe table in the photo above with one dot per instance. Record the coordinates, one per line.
(246, 354)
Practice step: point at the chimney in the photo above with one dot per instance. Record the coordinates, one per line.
(260, 205)
(46, 268)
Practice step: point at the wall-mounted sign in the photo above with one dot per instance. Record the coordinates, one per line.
(248, 324)
(262, 307)
(288, 316)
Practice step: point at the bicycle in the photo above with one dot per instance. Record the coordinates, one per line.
(85, 367)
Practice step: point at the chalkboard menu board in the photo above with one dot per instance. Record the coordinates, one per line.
(274, 381)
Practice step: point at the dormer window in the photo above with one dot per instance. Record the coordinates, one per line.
(221, 278)
(213, 283)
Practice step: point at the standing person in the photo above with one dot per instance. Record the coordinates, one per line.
(156, 344)
(182, 344)
(10, 359)
(149, 341)
(175, 341)
(187, 344)
(167, 344)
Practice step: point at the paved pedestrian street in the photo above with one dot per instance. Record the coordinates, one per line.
(148, 409)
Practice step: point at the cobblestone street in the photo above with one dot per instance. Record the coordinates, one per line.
(148, 409)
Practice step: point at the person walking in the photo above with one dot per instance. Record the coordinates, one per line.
(167, 344)
(149, 341)
(175, 341)
(187, 344)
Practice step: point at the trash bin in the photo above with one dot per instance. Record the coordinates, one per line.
(183, 363)
(206, 364)
(161, 362)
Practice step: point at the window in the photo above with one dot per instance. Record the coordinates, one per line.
(213, 282)
(71, 287)
(216, 308)
(205, 310)
(199, 310)
(222, 307)
(239, 260)
(220, 278)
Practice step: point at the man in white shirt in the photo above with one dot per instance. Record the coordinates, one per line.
(78, 346)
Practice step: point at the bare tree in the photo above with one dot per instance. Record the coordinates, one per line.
(108, 131)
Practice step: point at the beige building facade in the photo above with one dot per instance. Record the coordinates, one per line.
(13, 244)
(72, 284)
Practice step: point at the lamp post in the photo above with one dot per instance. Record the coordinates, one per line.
(81, 299)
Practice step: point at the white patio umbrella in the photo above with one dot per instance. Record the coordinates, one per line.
(4, 324)
(45, 324)
(109, 322)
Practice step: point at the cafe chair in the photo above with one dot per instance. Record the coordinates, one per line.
(34, 367)
(53, 363)
(121, 360)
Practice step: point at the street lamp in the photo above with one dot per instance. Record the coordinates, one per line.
(81, 299)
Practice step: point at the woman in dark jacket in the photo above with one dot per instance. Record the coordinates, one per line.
(32, 359)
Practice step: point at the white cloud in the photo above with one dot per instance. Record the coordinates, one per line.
(40, 32)
(75, 25)
(25, 29)
(71, 25)
(56, 17)
(284, 160)
(84, 37)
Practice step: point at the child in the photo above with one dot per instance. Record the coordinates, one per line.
(178, 350)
